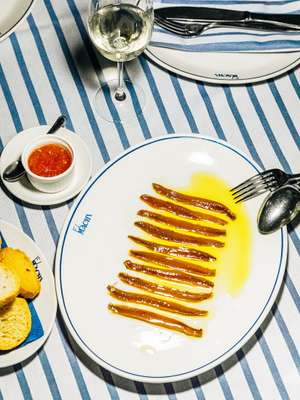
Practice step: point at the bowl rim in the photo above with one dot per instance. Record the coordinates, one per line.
(38, 142)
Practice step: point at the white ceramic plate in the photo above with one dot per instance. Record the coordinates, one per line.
(13, 12)
(224, 68)
(94, 244)
(45, 303)
(24, 190)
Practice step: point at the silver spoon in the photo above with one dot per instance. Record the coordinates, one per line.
(279, 209)
(14, 171)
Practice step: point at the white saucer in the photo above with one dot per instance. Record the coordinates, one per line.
(24, 190)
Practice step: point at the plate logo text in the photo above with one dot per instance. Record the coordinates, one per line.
(81, 228)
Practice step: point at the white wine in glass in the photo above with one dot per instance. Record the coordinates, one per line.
(120, 30)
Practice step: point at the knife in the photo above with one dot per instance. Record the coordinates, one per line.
(205, 15)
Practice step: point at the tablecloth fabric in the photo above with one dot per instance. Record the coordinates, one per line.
(49, 67)
(232, 39)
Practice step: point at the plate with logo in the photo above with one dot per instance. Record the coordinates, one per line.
(23, 188)
(43, 307)
(224, 68)
(94, 248)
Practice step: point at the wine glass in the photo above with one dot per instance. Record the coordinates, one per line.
(120, 30)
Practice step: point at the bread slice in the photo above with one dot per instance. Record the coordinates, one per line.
(9, 285)
(15, 324)
(22, 265)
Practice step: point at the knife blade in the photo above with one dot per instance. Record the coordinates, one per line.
(191, 14)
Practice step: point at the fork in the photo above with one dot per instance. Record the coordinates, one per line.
(186, 30)
(267, 180)
(191, 29)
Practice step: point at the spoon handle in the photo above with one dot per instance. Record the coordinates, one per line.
(57, 124)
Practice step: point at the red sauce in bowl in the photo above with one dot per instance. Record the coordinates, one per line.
(50, 160)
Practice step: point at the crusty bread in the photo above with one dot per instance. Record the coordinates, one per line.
(22, 265)
(9, 285)
(15, 324)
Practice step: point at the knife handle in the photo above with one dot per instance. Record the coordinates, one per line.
(206, 15)
(288, 21)
(250, 24)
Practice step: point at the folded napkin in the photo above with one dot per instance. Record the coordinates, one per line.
(232, 39)
(36, 327)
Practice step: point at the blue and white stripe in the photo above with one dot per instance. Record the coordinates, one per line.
(232, 39)
(49, 66)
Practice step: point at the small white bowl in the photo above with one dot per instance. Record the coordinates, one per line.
(52, 184)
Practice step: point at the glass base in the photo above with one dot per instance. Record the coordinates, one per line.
(115, 108)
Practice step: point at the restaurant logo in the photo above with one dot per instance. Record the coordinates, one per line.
(36, 261)
(81, 228)
(226, 76)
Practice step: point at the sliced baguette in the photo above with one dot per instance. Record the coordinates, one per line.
(22, 265)
(9, 285)
(15, 324)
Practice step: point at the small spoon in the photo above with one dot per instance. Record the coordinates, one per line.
(14, 171)
(279, 209)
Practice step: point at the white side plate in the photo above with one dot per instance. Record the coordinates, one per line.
(45, 303)
(13, 12)
(224, 68)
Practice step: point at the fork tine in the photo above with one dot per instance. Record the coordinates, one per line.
(176, 25)
(247, 187)
(171, 26)
(167, 28)
(168, 23)
(246, 182)
(265, 183)
(251, 180)
(250, 195)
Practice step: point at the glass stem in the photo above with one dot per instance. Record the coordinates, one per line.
(120, 94)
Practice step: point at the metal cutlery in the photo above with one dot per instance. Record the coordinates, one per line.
(188, 14)
(186, 29)
(192, 21)
(267, 180)
(191, 29)
(279, 208)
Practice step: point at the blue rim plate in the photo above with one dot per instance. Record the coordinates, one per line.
(93, 244)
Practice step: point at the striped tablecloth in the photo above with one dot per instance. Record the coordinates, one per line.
(49, 67)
